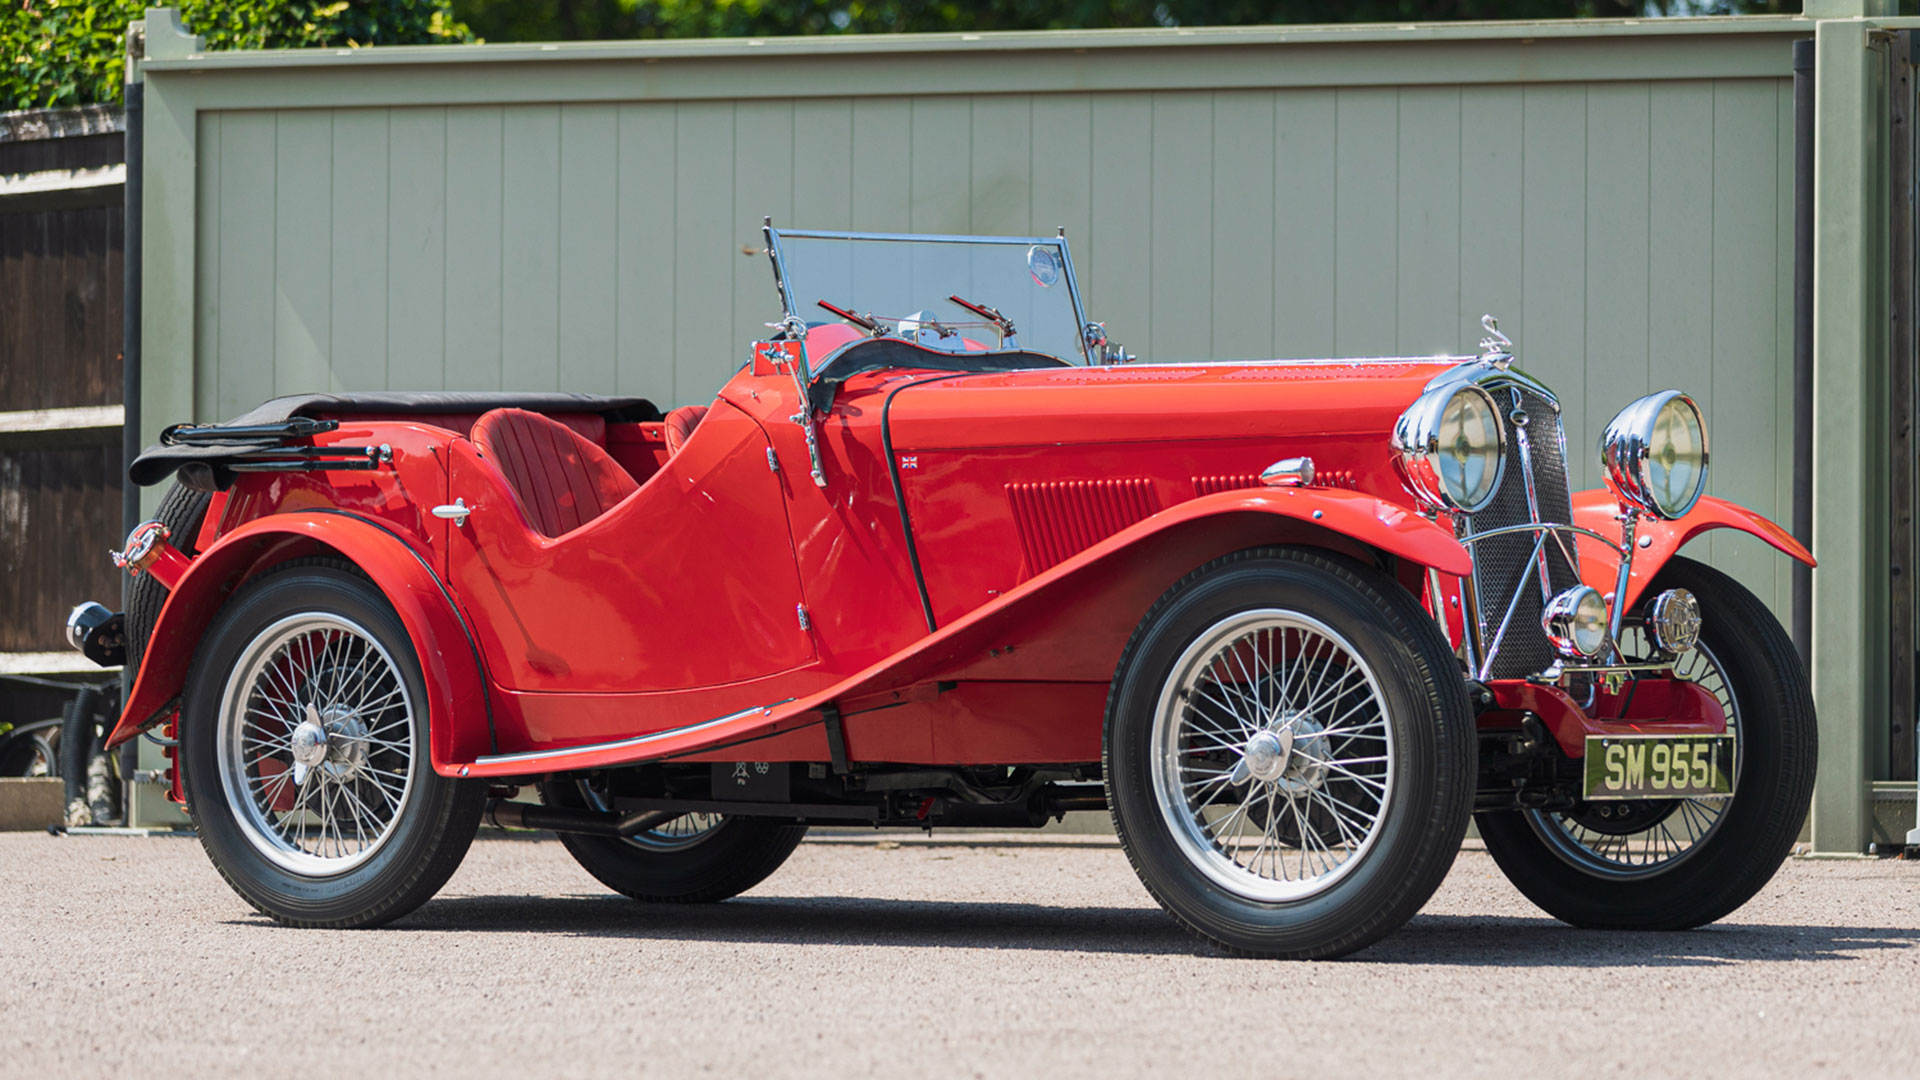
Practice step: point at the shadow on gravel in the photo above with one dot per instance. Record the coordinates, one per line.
(1448, 940)
(1474, 940)
(820, 920)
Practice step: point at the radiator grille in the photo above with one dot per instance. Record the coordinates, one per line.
(1060, 518)
(1501, 562)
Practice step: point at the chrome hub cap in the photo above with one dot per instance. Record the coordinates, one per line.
(1274, 758)
(316, 744)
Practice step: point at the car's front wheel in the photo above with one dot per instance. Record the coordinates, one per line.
(1671, 864)
(303, 754)
(1289, 754)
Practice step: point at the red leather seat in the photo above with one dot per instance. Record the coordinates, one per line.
(680, 424)
(563, 479)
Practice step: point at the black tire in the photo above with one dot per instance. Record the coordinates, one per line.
(182, 510)
(432, 828)
(1739, 853)
(1427, 722)
(734, 857)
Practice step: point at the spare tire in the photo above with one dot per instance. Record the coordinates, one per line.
(181, 511)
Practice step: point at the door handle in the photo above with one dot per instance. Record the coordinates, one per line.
(456, 513)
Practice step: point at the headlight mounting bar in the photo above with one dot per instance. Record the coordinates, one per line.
(1556, 530)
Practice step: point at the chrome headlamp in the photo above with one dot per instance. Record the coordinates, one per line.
(1576, 623)
(1674, 620)
(1654, 455)
(1451, 448)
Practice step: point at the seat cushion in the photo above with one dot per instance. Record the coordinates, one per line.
(680, 424)
(563, 480)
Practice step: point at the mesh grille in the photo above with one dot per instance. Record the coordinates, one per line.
(1501, 562)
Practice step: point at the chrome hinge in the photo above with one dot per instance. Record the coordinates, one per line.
(800, 610)
(456, 513)
(773, 460)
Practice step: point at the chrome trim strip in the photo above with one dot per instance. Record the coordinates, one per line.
(622, 744)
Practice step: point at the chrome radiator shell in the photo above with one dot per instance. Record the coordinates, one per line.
(1516, 573)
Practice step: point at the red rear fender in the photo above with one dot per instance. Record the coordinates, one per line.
(457, 704)
(1658, 541)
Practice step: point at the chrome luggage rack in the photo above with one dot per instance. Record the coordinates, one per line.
(284, 457)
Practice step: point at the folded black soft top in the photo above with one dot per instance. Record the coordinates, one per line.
(202, 463)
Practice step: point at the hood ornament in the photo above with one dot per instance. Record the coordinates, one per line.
(1496, 346)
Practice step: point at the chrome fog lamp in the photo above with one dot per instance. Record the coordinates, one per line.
(1451, 448)
(1674, 621)
(1576, 623)
(1654, 455)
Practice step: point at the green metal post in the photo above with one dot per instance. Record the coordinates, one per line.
(1849, 597)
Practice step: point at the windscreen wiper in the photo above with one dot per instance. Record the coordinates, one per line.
(865, 322)
(1004, 324)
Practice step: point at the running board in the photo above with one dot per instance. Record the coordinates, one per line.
(495, 764)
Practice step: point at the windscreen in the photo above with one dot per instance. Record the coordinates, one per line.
(909, 279)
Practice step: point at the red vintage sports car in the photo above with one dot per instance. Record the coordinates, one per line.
(939, 555)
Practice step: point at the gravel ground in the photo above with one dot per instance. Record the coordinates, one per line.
(977, 956)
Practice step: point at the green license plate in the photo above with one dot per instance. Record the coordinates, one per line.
(1659, 766)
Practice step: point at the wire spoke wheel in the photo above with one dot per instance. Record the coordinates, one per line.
(1642, 838)
(1274, 756)
(316, 744)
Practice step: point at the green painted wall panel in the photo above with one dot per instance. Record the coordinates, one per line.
(589, 273)
(1746, 199)
(1242, 200)
(1616, 224)
(1427, 220)
(474, 194)
(1366, 162)
(643, 224)
(1120, 236)
(703, 250)
(1305, 196)
(416, 299)
(1553, 253)
(205, 388)
(1628, 234)
(1179, 266)
(530, 248)
(359, 290)
(1491, 281)
(302, 253)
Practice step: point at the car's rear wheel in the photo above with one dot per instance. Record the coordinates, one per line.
(1671, 864)
(303, 754)
(1289, 754)
(692, 859)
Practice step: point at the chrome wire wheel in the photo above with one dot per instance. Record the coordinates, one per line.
(1625, 840)
(317, 744)
(1273, 755)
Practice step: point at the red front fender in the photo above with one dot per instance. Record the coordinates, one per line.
(1657, 541)
(457, 703)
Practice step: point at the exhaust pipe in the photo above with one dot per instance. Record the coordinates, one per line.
(502, 814)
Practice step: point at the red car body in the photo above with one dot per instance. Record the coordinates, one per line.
(1048, 510)
(933, 557)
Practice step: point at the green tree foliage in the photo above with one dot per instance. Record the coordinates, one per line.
(69, 52)
(567, 20)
